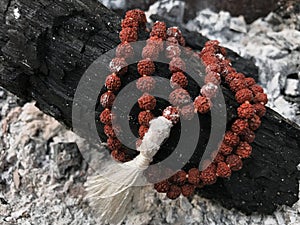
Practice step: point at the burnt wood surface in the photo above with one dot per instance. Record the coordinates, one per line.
(46, 50)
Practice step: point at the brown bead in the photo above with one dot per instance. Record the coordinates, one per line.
(174, 192)
(137, 15)
(118, 155)
(156, 42)
(172, 41)
(145, 117)
(177, 65)
(213, 77)
(187, 190)
(237, 84)
(248, 135)
(202, 104)
(225, 149)
(174, 32)
(118, 66)
(226, 69)
(256, 88)
(142, 131)
(243, 95)
(214, 67)
(234, 162)
(245, 111)
(129, 23)
(112, 132)
(179, 97)
(159, 30)
(171, 113)
(260, 98)
(239, 126)
(223, 170)
(113, 82)
(162, 187)
(150, 52)
(208, 176)
(146, 67)
(114, 144)
(230, 77)
(145, 83)
(212, 43)
(249, 81)
(218, 157)
(124, 50)
(244, 150)
(178, 80)
(194, 176)
(231, 139)
(254, 122)
(107, 99)
(209, 90)
(179, 178)
(260, 109)
(187, 112)
(173, 51)
(128, 34)
(147, 102)
(106, 116)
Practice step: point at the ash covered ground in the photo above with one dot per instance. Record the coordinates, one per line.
(42, 173)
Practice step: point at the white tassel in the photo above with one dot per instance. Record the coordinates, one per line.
(112, 190)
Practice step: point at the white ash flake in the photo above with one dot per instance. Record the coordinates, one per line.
(17, 14)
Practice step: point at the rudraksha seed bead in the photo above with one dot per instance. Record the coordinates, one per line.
(174, 32)
(194, 176)
(187, 112)
(129, 23)
(146, 67)
(128, 35)
(237, 84)
(112, 132)
(113, 82)
(231, 139)
(118, 65)
(243, 95)
(254, 122)
(218, 157)
(208, 176)
(244, 150)
(178, 80)
(213, 77)
(209, 90)
(260, 109)
(172, 41)
(214, 67)
(177, 65)
(245, 111)
(235, 163)
(202, 104)
(107, 99)
(249, 81)
(118, 155)
(239, 126)
(174, 192)
(172, 51)
(138, 15)
(248, 136)
(147, 102)
(226, 70)
(187, 190)
(260, 98)
(124, 50)
(225, 149)
(162, 187)
(156, 42)
(159, 30)
(114, 144)
(150, 52)
(106, 116)
(230, 77)
(171, 113)
(145, 117)
(256, 89)
(145, 83)
(223, 170)
(142, 131)
(179, 97)
(214, 43)
(179, 178)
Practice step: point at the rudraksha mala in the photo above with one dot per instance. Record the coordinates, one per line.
(235, 145)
